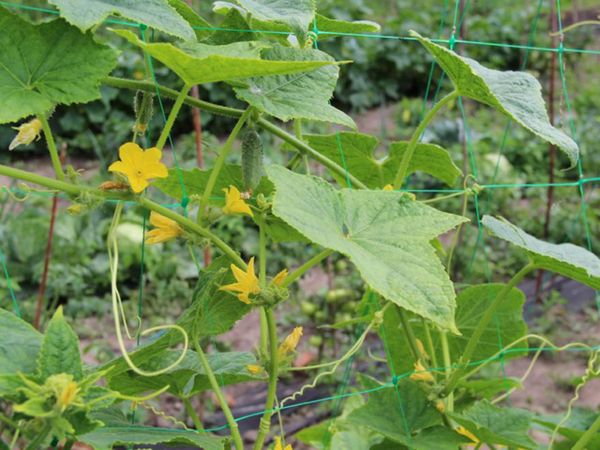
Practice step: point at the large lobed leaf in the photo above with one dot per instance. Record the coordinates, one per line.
(354, 151)
(566, 259)
(197, 63)
(385, 234)
(47, 64)
(296, 96)
(515, 94)
(156, 14)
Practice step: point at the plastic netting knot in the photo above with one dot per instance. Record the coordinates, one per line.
(185, 201)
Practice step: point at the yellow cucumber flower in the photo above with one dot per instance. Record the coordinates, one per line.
(290, 343)
(278, 279)
(388, 187)
(421, 349)
(421, 373)
(234, 203)
(165, 229)
(27, 133)
(462, 430)
(255, 369)
(279, 445)
(246, 282)
(68, 395)
(139, 166)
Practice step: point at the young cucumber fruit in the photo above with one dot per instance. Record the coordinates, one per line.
(252, 159)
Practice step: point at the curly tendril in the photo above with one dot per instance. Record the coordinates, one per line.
(119, 312)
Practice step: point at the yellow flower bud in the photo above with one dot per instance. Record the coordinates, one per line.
(421, 374)
(27, 133)
(290, 343)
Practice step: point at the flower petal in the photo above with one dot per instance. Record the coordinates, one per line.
(130, 153)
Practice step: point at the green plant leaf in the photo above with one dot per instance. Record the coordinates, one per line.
(566, 259)
(233, 21)
(518, 95)
(60, 349)
(156, 14)
(20, 344)
(189, 377)
(295, 13)
(329, 27)
(354, 151)
(395, 412)
(577, 424)
(47, 64)
(107, 437)
(296, 96)
(505, 426)
(471, 304)
(490, 387)
(201, 26)
(197, 63)
(385, 234)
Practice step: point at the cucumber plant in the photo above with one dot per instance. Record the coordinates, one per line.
(437, 338)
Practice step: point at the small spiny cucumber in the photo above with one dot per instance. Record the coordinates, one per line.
(252, 158)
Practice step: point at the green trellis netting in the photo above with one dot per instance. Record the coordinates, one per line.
(482, 200)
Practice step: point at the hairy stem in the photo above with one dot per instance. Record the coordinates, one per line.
(447, 368)
(192, 413)
(305, 267)
(162, 139)
(60, 175)
(235, 432)
(265, 421)
(262, 278)
(410, 335)
(220, 161)
(483, 323)
(414, 140)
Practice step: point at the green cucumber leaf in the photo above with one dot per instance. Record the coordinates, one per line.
(574, 427)
(156, 14)
(296, 96)
(20, 344)
(107, 437)
(385, 234)
(488, 388)
(197, 63)
(471, 304)
(566, 259)
(518, 95)
(354, 151)
(329, 27)
(494, 425)
(201, 26)
(187, 378)
(48, 64)
(395, 410)
(60, 349)
(298, 14)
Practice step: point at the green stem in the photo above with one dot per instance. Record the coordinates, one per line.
(220, 161)
(162, 139)
(235, 432)
(429, 340)
(483, 323)
(410, 335)
(75, 190)
(302, 147)
(588, 435)
(262, 278)
(305, 267)
(447, 367)
(414, 140)
(60, 175)
(456, 235)
(39, 439)
(265, 421)
(192, 413)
